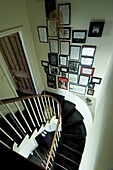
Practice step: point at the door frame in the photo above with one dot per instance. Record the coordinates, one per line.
(22, 35)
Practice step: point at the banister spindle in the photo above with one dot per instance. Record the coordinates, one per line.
(41, 110)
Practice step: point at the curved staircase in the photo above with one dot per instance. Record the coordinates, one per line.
(59, 149)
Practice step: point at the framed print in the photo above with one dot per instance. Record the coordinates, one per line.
(64, 47)
(44, 63)
(63, 75)
(53, 45)
(73, 67)
(96, 80)
(46, 69)
(90, 92)
(53, 59)
(91, 85)
(52, 28)
(83, 80)
(75, 52)
(42, 33)
(63, 83)
(77, 88)
(51, 81)
(63, 60)
(96, 29)
(73, 78)
(64, 69)
(86, 61)
(79, 36)
(65, 33)
(66, 12)
(87, 71)
(54, 70)
(88, 51)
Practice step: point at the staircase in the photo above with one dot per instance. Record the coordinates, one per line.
(59, 148)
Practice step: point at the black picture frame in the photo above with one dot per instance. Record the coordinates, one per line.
(63, 75)
(91, 85)
(65, 33)
(90, 92)
(79, 36)
(66, 12)
(96, 80)
(73, 67)
(54, 46)
(86, 61)
(51, 81)
(53, 59)
(64, 47)
(64, 69)
(88, 50)
(46, 69)
(75, 52)
(96, 28)
(42, 34)
(44, 63)
(63, 60)
(54, 70)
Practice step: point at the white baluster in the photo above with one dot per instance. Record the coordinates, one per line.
(37, 109)
(6, 134)
(4, 144)
(41, 110)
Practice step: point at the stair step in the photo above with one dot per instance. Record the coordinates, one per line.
(72, 124)
(67, 109)
(57, 166)
(66, 162)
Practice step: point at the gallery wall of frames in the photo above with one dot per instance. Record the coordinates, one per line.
(69, 65)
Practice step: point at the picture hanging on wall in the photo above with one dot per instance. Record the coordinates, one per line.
(46, 69)
(54, 70)
(83, 80)
(86, 61)
(65, 33)
(63, 60)
(42, 33)
(53, 59)
(79, 36)
(96, 29)
(53, 45)
(63, 83)
(44, 63)
(77, 88)
(75, 52)
(64, 69)
(91, 85)
(73, 78)
(96, 80)
(88, 50)
(90, 92)
(51, 81)
(87, 71)
(73, 67)
(64, 47)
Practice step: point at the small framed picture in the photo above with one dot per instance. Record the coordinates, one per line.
(64, 47)
(63, 75)
(96, 80)
(86, 61)
(53, 45)
(91, 85)
(83, 80)
(63, 83)
(53, 59)
(88, 51)
(44, 63)
(65, 33)
(75, 52)
(73, 67)
(96, 29)
(90, 92)
(77, 88)
(63, 60)
(51, 81)
(64, 69)
(42, 33)
(46, 69)
(66, 12)
(87, 71)
(54, 70)
(79, 36)
(73, 78)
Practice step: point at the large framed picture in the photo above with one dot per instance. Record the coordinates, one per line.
(42, 33)
(53, 59)
(66, 12)
(65, 33)
(73, 67)
(63, 83)
(88, 50)
(64, 47)
(53, 45)
(51, 81)
(73, 78)
(96, 28)
(63, 60)
(79, 36)
(87, 71)
(77, 88)
(75, 52)
(86, 61)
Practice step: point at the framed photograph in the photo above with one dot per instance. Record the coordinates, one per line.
(53, 59)
(51, 81)
(91, 85)
(42, 33)
(75, 52)
(87, 71)
(96, 80)
(44, 63)
(64, 47)
(79, 36)
(54, 70)
(73, 67)
(65, 33)
(88, 51)
(86, 61)
(83, 80)
(63, 75)
(66, 12)
(73, 78)
(77, 88)
(63, 83)
(90, 92)
(53, 45)
(52, 28)
(96, 29)
(46, 69)
(63, 60)
(64, 69)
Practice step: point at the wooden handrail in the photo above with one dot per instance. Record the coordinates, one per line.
(54, 139)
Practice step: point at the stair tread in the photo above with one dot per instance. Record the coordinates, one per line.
(71, 124)
(67, 107)
(57, 166)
